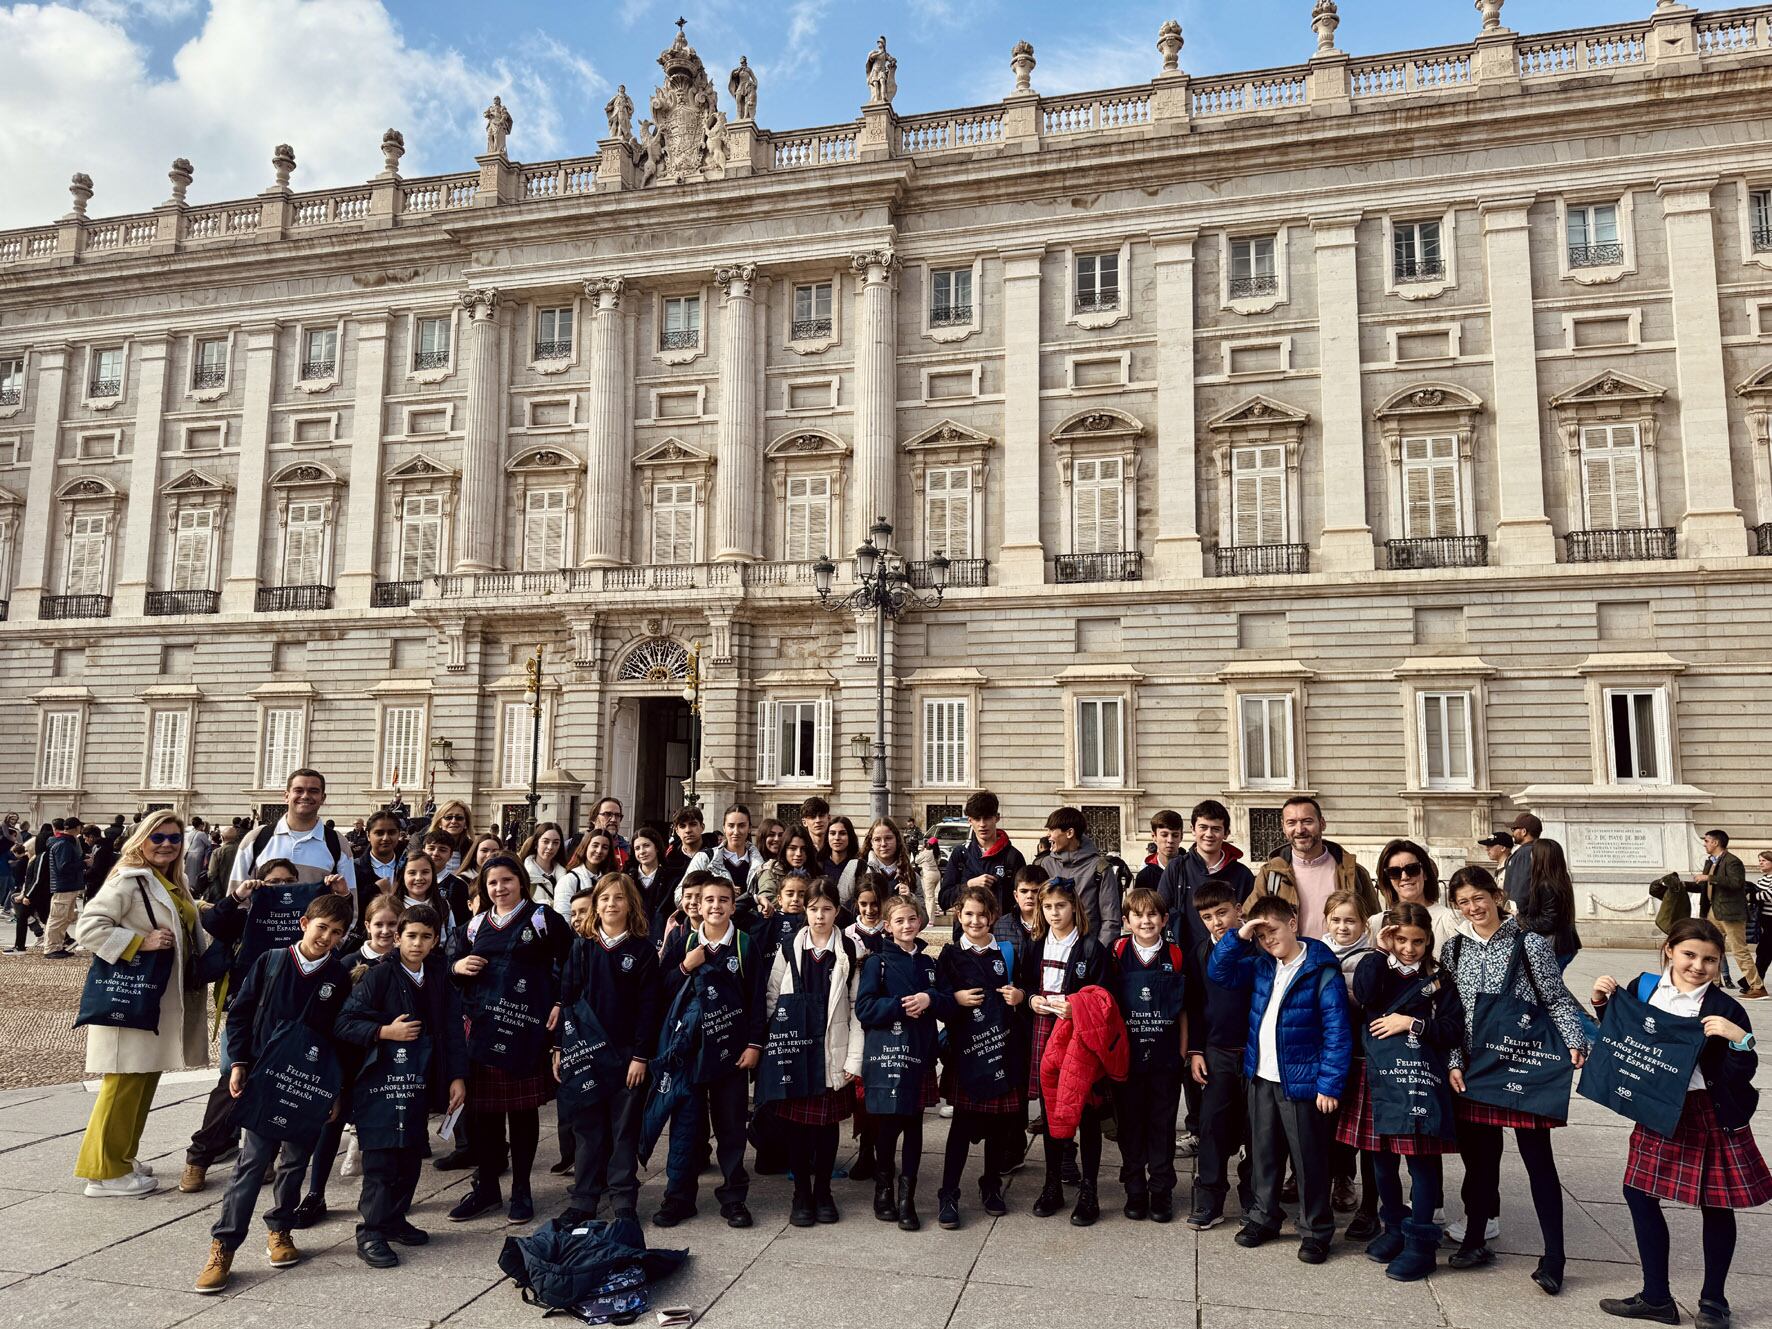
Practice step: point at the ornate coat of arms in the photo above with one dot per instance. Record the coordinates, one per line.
(687, 137)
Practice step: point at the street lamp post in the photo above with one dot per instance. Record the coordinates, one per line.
(883, 585)
(692, 695)
(534, 690)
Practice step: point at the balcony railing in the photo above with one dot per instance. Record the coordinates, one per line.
(1440, 551)
(1244, 288)
(1763, 539)
(1262, 560)
(313, 369)
(1762, 239)
(810, 329)
(1098, 304)
(961, 572)
(11, 396)
(1424, 269)
(284, 599)
(554, 350)
(1127, 565)
(1622, 545)
(164, 604)
(682, 339)
(395, 594)
(209, 376)
(1595, 256)
(950, 316)
(431, 360)
(105, 387)
(74, 606)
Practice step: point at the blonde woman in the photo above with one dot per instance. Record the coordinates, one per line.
(454, 820)
(143, 905)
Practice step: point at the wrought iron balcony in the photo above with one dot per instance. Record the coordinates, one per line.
(1620, 545)
(1127, 565)
(11, 396)
(106, 387)
(682, 339)
(1261, 560)
(950, 316)
(1762, 239)
(810, 329)
(74, 606)
(1105, 303)
(431, 360)
(1763, 539)
(163, 604)
(284, 599)
(554, 350)
(1424, 269)
(961, 572)
(313, 369)
(1245, 288)
(209, 376)
(1595, 256)
(1440, 551)
(395, 594)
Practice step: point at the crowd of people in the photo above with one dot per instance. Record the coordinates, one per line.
(747, 993)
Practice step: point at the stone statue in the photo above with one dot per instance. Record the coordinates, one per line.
(882, 72)
(393, 147)
(498, 127)
(683, 114)
(743, 87)
(718, 150)
(1324, 22)
(620, 110)
(1169, 45)
(651, 152)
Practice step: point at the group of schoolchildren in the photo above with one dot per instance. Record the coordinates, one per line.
(1267, 1001)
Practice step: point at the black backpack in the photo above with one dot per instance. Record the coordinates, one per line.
(334, 845)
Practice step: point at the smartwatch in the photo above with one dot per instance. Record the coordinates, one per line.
(1746, 1044)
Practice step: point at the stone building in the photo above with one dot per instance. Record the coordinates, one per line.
(1393, 428)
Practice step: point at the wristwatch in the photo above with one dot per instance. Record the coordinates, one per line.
(1746, 1044)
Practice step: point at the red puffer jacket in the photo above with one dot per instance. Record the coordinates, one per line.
(1083, 1050)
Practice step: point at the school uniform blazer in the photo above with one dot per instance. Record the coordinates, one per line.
(1098, 967)
(754, 971)
(842, 1035)
(385, 994)
(886, 980)
(1728, 1074)
(111, 920)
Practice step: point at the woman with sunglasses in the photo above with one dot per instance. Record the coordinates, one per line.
(1407, 874)
(142, 907)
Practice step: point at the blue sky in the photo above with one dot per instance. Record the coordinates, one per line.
(117, 88)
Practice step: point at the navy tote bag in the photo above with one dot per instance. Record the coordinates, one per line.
(1517, 1059)
(1642, 1062)
(126, 995)
(1406, 1079)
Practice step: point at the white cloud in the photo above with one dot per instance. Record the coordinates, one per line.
(326, 76)
(801, 54)
(1088, 66)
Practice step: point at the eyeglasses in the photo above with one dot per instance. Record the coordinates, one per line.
(1404, 870)
(166, 837)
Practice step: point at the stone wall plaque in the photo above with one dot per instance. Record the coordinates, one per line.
(1614, 846)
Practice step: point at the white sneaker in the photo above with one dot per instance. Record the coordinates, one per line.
(1187, 1145)
(140, 1168)
(1490, 1233)
(128, 1187)
(945, 1110)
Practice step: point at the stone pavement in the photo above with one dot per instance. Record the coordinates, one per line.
(67, 1262)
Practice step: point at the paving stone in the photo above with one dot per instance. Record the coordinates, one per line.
(1271, 1278)
(59, 1302)
(996, 1306)
(790, 1297)
(1149, 1263)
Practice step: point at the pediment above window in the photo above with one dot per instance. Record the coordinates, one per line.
(421, 467)
(89, 489)
(551, 458)
(195, 484)
(1260, 414)
(949, 435)
(1437, 403)
(1099, 425)
(306, 474)
(673, 451)
(807, 443)
(1757, 384)
(1610, 390)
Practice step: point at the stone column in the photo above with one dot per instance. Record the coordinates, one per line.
(874, 481)
(609, 478)
(483, 439)
(1023, 556)
(1346, 542)
(1522, 531)
(241, 587)
(1712, 526)
(363, 516)
(135, 575)
(37, 528)
(738, 456)
(1177, 549)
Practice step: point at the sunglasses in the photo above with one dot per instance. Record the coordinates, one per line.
(166, 837)
(1406, 870)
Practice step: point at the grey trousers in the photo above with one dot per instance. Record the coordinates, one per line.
(257, 1158)
(1278, 1127)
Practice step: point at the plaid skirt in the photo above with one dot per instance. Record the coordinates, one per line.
(1043, 1027)
(1487, 1114)
(1702, 1164)
(826, 1109)
(1354, 1125)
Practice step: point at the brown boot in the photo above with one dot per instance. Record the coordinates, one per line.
(281, 1250)
(192, 1179)
(215, 1273)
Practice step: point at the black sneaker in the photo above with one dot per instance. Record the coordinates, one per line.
(736, 1215)
(376, 1253)
(1635, 1308)
(309, 1212)
(1363, 1227)
(561, 1168)
(1312, 1251)
(456, 1160)
(475, 1203)
(408, 1235)
(1205, 1217)
(1250, 1235)
(947, 1213)
(1475, 1257)
(1137, 1208)
(63, 954)
(1162, 1207)
(669, 1215)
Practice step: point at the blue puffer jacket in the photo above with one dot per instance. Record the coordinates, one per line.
(1313, 1035)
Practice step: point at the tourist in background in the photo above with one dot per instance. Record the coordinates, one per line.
(1549, 905)
(1725, 883)
(1517, 875)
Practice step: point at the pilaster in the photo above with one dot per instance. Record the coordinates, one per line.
(1023, 556)
(611, 444)
(483, 435)
(37, 529)
(875, 476)
(134, 572)
(1177, 552)
(738, 455)
(357, 574)
(241, 588)
(1346, 541)
(1523, 533)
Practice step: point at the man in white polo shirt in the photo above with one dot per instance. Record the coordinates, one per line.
(319, 855)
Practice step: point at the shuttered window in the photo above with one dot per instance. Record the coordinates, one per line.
(519, 744)
(1446, 740)
(1097, 493)
(944, 740)
(283, 742)
(193, 549)
(61, 747)
(89, 548)
(1101, 741)
(1258, 496)
(402, 745)
(421, 536)
(544, 530)
(947, 512)
(304, 547)
(808, 523)
(673, 523)
(169, 734)
(1430, 488)
(794, 742)
(1265, 726)
(1612, 477)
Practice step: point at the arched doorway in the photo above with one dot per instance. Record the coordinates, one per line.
(650, 735)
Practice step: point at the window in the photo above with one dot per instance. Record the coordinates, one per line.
(1415, 252)
(1258, 496)
(808, 525)
(947, 512)
(553, 333)
(682, 322)
(1252, 267)
(1098, 282)
(1636, 736)
(402, 743)
(950, 297)
(812, 311)
(1097, 488)
(421, 536)
(304, 545)
(61, 750)
(1446, 740)
(1101, 741)
(544, 530)
(944, 740)
(210, 369)
(1431, 504)
(1593, 236)
(12, 381)
(673, 523)
(519, 744)
(1759, 210)
(107, 372)
(89, 548)
(1265, 726)
(282, 745)
(193, 549)
(1612, 477)
(431, 344)
(169, 749)
(319, 353)
(794, 742)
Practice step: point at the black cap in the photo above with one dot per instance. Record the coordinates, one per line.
(1500, 840)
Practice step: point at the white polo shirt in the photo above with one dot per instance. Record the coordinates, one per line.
(1267, 1061)
(306, 849)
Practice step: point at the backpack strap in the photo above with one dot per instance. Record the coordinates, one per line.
(1008, 949)
(1646, 985)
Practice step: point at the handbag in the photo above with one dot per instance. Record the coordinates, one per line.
(1518, 1058)
(1406, 1079)
(1642, 1062)
(126, 994)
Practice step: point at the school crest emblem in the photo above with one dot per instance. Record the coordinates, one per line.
(1413, 1042)
(528, 934)
(1144, 994)
(288, 898)
(570, 1031)
(522, 985)
(1080, 968)
(1649, 1025)
(781, 1014)
(326, 991)
(627, 964)
(898, 1026)
(732, 963)
(997, 967)
(313, 1052)
(978, 1015)
(1525, 1021)
(399, 1056)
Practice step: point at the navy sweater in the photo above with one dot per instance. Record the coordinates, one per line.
(275, 990)
(1377, 985)
(1217, 1016)
(621, 983)
(386, 992)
